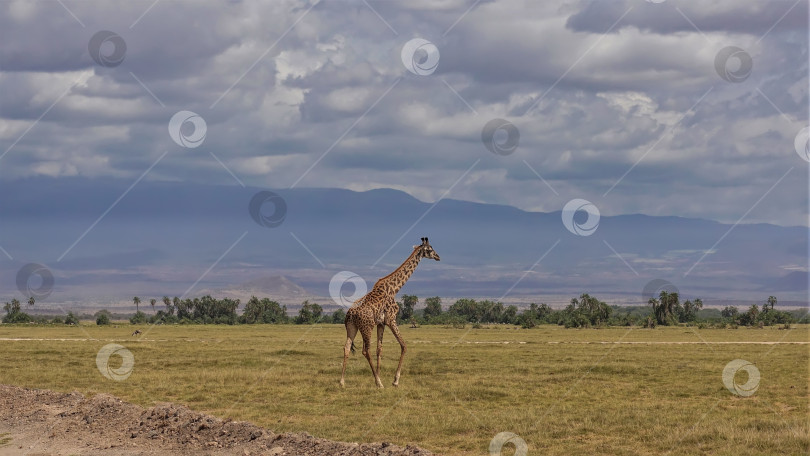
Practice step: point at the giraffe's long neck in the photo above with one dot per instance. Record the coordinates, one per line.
(393, 282)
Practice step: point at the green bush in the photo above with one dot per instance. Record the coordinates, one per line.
(138, 319)
(776, 317)
(163, 317)
(225, 320)
(17, 317)
(309, 314)
(264, 311)
(71, 319)
(339, 316)
(102, 317)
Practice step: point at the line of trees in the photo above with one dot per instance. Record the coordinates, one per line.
(584, 311)
(588, 311)
(754, 317)
(209, 310)
(667, 310)
(14, 313)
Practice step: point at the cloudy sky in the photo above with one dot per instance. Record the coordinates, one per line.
(636, 106)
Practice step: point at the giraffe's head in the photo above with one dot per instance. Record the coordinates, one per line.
(424, 250)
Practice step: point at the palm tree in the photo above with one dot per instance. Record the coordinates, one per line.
(153, 301)
(771, 303)
(168, 303)
(176, 302)
(31, 301)
(408, 303)
(12, 307)
(664, 307)
(136, 300)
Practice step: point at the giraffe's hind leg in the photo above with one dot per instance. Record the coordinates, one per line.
(351, 332)
(402, 349)
(380, 333)
(365, 331)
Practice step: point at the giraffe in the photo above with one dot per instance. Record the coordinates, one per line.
(379, 309)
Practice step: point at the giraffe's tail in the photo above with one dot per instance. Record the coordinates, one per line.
(352, 346)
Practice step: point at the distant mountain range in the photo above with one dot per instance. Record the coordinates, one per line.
(278, 288)
(168, 238)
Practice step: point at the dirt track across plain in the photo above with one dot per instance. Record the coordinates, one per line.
(43, 422)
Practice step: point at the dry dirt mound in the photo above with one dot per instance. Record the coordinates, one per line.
(42, 422)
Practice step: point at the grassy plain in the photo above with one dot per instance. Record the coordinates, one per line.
(563, 391)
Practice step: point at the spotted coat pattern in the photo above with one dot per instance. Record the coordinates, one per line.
(378, 309)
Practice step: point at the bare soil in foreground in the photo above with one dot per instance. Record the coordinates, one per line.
(43, 422)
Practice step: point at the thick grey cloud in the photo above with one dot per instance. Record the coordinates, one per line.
(281, 83)
(667, 17)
